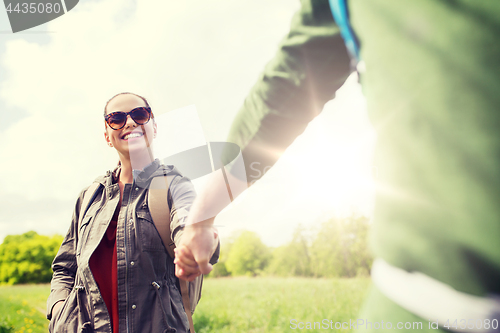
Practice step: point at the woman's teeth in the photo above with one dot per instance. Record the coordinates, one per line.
(132, 135)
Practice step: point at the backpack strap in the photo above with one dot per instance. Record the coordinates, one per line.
(160, 212)
(187, 303)
(340, 14)
(88, 198)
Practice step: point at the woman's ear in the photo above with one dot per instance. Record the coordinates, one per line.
(106, 137)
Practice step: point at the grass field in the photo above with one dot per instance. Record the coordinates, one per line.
(228, 304)
(268, 304)
(22, 308)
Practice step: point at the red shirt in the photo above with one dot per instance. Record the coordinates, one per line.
(103, 264)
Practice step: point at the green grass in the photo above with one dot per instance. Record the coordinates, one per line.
(269, 304)
(22, 308)
(237, 305)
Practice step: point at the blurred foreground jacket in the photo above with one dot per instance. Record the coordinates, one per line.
(432, 84)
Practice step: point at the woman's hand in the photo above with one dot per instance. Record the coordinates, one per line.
(56, 308)
(194, 260)
(186, 267)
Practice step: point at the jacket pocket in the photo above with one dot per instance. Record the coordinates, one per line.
(150, 238)
(54, 324)
(178, 315)
(74, 315)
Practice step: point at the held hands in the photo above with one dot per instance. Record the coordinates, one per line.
(197, 245)
(199, 239)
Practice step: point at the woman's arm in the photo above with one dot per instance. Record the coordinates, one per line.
(182, 195)
(64, 265)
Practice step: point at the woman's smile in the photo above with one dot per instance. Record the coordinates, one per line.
(132, 135)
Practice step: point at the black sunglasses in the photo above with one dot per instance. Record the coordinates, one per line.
(117, 120)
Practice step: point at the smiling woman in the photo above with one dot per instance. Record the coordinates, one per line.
(113, 272)
(130, 130)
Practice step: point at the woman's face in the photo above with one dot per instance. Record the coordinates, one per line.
(132, 138)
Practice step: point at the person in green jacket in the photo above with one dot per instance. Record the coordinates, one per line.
(430, 72)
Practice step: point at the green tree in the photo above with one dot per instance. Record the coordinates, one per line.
(248, 255)
(27, 258)
(341, 248)
(361, 258)
(292, 259)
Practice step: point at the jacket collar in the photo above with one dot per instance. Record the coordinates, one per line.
(142, 177)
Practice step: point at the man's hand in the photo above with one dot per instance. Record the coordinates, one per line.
(197, 245)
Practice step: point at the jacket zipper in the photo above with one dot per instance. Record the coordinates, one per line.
(126, 258)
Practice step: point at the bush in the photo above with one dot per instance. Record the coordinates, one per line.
(27, 258)
(6, 327)
(248, 255)
(219, 270)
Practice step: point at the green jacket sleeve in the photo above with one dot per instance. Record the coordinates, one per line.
(310, 65)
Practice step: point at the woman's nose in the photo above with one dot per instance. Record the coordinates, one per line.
(130, 121)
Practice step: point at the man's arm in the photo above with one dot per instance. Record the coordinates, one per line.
(310, 65)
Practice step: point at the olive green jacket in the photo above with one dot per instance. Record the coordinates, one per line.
(432, 85)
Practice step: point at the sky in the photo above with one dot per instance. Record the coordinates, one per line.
(195, 61)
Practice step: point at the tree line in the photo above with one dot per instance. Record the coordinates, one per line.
(27, 258)
(338, 249)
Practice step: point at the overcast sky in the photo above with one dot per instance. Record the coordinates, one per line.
(193, 60)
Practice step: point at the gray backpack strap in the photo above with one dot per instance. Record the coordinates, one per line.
(160, 212)
(88, 198)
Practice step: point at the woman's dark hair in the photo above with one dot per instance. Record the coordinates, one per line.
(128, 93)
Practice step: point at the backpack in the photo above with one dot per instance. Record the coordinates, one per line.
(160, 212)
